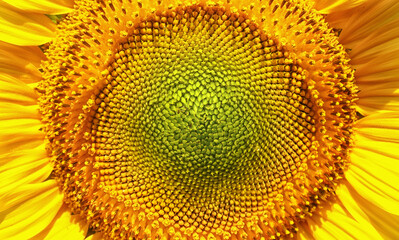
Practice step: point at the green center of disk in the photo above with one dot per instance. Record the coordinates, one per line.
(200, 118)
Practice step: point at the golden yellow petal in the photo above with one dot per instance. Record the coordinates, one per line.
(382, 127)
(378, 94)
(31, 217)
(21, 62)
(358, 23)
(64, 226)
(24, 29)
(43, 6)
(304, 232)
(379, 97)
(383, 195)
(24, 156)
(349, 201)
(20, 127)
(386, 224)
(15, 97)
(328, 6)
(337, 223)
(18, 143)
(10, 110)
(388, 76)
(17, 132)
(13, 90)
(35, 172)
(371, 33)
(379, 153)
(375, 160)
(380, 179)
(24, 193)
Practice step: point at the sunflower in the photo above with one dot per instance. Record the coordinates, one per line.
(139, 119)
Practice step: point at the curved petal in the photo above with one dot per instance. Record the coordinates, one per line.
(10, 111)
(337, 223)
(371, 33)
(14, 178)
(43, 6)
(386, 224)
(30, 217)
(328, 6)
(13, 90)
(64, 226)
(24, 193)
(340, 218)
(304, 232)
(16, 133)
(350, 200)
(24, 29)
(20, 62)
(374, 171)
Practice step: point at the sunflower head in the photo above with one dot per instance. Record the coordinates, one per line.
(196, 119)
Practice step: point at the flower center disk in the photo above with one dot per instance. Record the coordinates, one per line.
(197, 124)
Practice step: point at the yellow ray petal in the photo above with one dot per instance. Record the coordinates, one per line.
(25, 156)
(371, 44)
(337, 223)
(43, 6)
(20, 143)
(28, 156)
(20, 62)
(15, 111)
(377, 95)
(388, 76)
(16, 98)
(377, 98)
(387, 224)
(304, 232)
(383, 127)
(64, 226)
(24, 29)
(24, 134)
(375, 161)
(377, 54)
(366, 158)
(31, 217)
(12, 90)
(30, 173)
(23, 193)
(383, 195)
(371, 31)
(349, 201)
(358, 23)
(328, 6)
(19, 129)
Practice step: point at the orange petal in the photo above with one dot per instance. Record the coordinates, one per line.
(328, 6)
(20, 62)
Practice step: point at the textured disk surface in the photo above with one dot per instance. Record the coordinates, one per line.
(196, 120)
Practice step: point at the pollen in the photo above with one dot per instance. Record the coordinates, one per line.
(196, 120)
